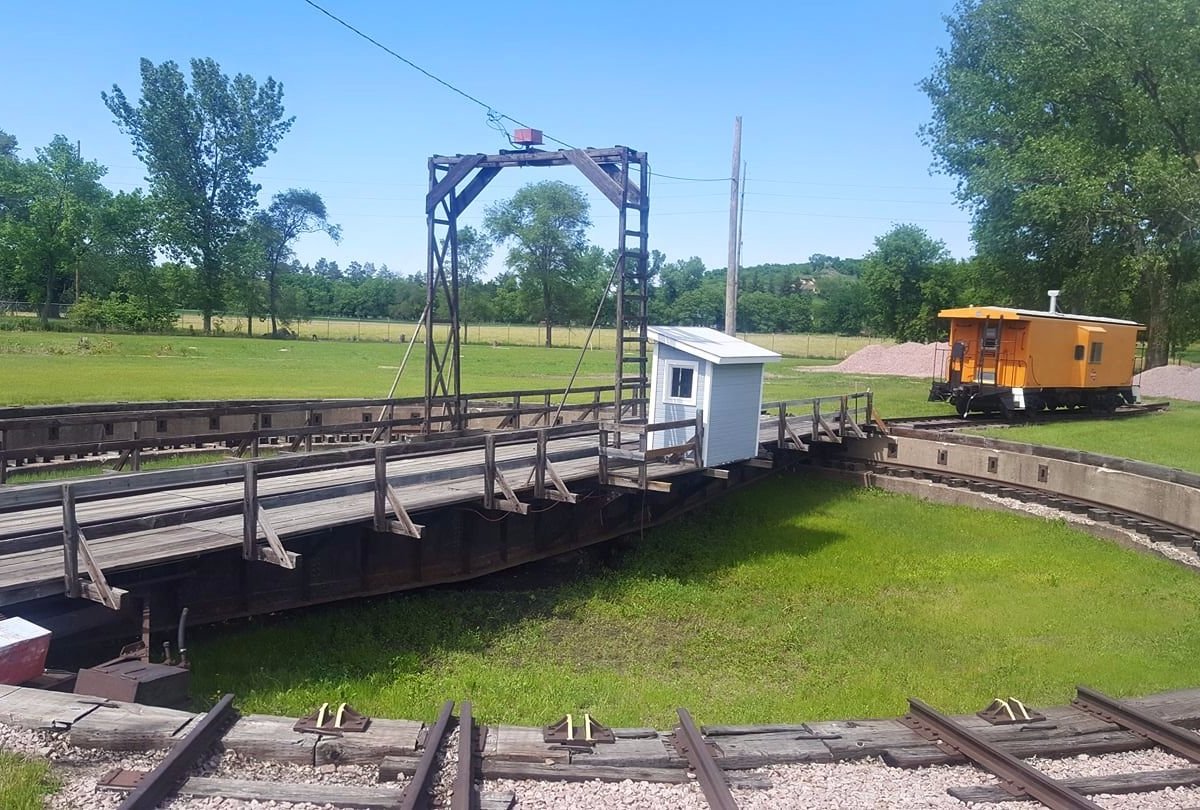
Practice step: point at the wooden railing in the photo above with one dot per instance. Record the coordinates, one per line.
(833, 418)
(260, 538)
(127, 429)
(614, 454)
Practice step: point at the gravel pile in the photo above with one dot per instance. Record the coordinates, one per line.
(1173, 382)
(904, 360)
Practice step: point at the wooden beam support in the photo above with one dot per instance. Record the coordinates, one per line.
(590, 169)
(273, 552)
(99, 590)
(454, 175)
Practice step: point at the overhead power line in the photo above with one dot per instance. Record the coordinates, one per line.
(493, 113)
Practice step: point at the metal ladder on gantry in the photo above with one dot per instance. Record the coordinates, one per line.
(454, 183)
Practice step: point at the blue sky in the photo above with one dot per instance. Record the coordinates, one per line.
(827, 92)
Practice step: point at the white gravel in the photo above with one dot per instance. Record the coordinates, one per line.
(1173, 382)
(904, 360)
(1186, 556)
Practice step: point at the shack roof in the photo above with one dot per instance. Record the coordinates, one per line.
(711, 345)
(1008, 313)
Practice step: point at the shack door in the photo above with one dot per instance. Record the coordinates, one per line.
(989, 352)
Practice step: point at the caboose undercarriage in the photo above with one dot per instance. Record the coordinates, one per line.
(978, 398)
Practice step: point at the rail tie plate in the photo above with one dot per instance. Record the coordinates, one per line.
(1175, 739)
(183, 756)
(691, 744)
(1018, 777)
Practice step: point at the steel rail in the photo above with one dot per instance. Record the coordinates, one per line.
(169, 774)
(416, 793)
(708, 772)
(463, 797)
(1017, 776)
(1026, 492)
(1174, 738)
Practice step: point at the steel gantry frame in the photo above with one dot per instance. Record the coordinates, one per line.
(454, 183)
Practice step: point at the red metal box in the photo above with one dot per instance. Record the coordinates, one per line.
(23, 648)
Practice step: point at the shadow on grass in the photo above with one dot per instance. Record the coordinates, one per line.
(382, 639)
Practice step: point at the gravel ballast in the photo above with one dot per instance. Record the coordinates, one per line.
(867, 783)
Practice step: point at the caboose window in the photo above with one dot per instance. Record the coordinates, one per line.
(682, 381)
(1079, 351)
(1097, 352)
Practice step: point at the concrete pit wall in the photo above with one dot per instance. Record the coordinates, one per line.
(1168, 501)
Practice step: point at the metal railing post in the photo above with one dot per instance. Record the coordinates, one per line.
(842, 415)
(516, 421)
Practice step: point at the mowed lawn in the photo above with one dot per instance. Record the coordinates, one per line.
(43, 368)
(794, 600)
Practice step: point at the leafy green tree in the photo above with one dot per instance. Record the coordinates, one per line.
(898, 277)
(544, 224)
(292, 214)
(47, 228)
(8, 145)
(840, 305)
(1073, 129)
(200, 143)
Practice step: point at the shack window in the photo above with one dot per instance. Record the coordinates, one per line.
(1097, 352)
(681, 379)
(1079, 351)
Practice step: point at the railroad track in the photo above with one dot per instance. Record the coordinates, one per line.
(151, 788)
(1159, 531)
(690, 742)
(940, 422)
(1021, 780)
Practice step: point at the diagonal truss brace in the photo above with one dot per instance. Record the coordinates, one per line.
(254, 517)
(545, 469)
(493, 478)
(386, 495)
(75, 549)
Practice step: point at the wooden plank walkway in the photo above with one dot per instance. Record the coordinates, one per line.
(297, 501)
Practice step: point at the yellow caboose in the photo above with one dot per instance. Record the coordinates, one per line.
(1007, 361)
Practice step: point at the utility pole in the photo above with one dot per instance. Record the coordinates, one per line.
(741, 215)
(731, 274)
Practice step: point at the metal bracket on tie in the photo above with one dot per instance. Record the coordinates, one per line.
(324, 721)
(1001, 712)
(566, 732)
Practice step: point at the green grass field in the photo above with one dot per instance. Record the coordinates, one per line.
(794, 600)
(1163, 438)
(24, 783)
(835, 347)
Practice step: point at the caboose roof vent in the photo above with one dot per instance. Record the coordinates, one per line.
(1053, 300)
